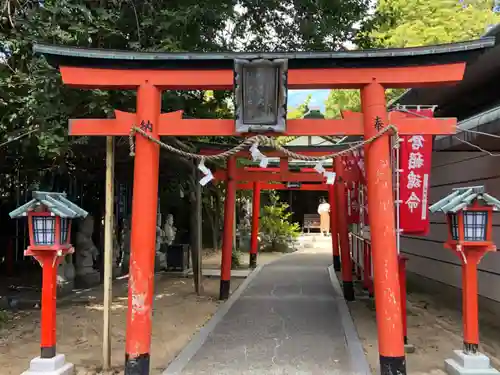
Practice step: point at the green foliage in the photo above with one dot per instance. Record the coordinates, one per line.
(276, 230)
(235, 259)
(32, 94)
(341, 100)
(301, 110)
(408, 23)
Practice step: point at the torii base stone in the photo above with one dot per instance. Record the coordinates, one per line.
(469, 364)
(50, 366)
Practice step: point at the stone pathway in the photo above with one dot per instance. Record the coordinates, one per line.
(289, 320)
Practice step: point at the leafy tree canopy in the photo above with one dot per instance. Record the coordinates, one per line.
(409, 23)
(32, 95)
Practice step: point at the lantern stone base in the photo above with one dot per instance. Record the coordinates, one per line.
(469, 364)
(50, 366)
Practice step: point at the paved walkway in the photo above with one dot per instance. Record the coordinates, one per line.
(289, 320)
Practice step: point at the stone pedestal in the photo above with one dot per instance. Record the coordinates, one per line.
(470, 364)
(50, 366)
(160, 261)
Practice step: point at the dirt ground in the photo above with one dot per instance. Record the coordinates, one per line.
(434, 328)
(178, 313)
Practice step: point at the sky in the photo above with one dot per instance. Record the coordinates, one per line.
(297, 97)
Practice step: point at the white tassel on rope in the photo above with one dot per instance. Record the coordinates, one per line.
(330, 176)
(208, 176)
(319, 167)
(259, 156)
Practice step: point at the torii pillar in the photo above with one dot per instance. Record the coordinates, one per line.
(143, 234)
(228, 230)
(383, 232)
(343, 232)
(334, 227)
(254, 239)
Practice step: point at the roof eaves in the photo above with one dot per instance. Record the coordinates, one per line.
(491, 201)
(456, 200)
(22, 210)
(443, 202)
(59, 208)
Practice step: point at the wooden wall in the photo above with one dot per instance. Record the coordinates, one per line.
(427, 257)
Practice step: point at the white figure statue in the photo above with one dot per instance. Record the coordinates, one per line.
(65, 272)
(160, 257)
(169, 230)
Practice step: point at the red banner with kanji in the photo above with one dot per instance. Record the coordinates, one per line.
(415, 165)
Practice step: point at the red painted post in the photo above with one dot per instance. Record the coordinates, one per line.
(49, 262)
(143, 234)
(383, 232)
(334, 227)
(343, 233)
(470, 300)
(254, 240)
(402, 283)
(227, 240)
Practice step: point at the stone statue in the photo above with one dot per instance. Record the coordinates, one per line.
(160, 257)
(65, 274)
(169, 230)
(86, 253)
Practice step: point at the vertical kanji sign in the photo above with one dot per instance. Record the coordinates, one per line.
(415, 165)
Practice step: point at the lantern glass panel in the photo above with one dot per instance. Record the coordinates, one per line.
(44, 230)
(64, 230)
(454, 226)
(475, 225)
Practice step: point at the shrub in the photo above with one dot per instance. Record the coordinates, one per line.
(235, 259)
(277, 233)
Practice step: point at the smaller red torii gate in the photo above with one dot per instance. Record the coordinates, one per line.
(257, 179)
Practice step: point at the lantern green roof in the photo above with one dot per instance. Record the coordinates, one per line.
(460, 198)
(57, 203)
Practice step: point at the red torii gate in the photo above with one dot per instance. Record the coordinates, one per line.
(151, 73)
(254, 178)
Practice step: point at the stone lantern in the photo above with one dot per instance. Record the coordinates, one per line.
(469, 214)
(49, 222)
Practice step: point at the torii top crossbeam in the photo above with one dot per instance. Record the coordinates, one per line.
(430, 65)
